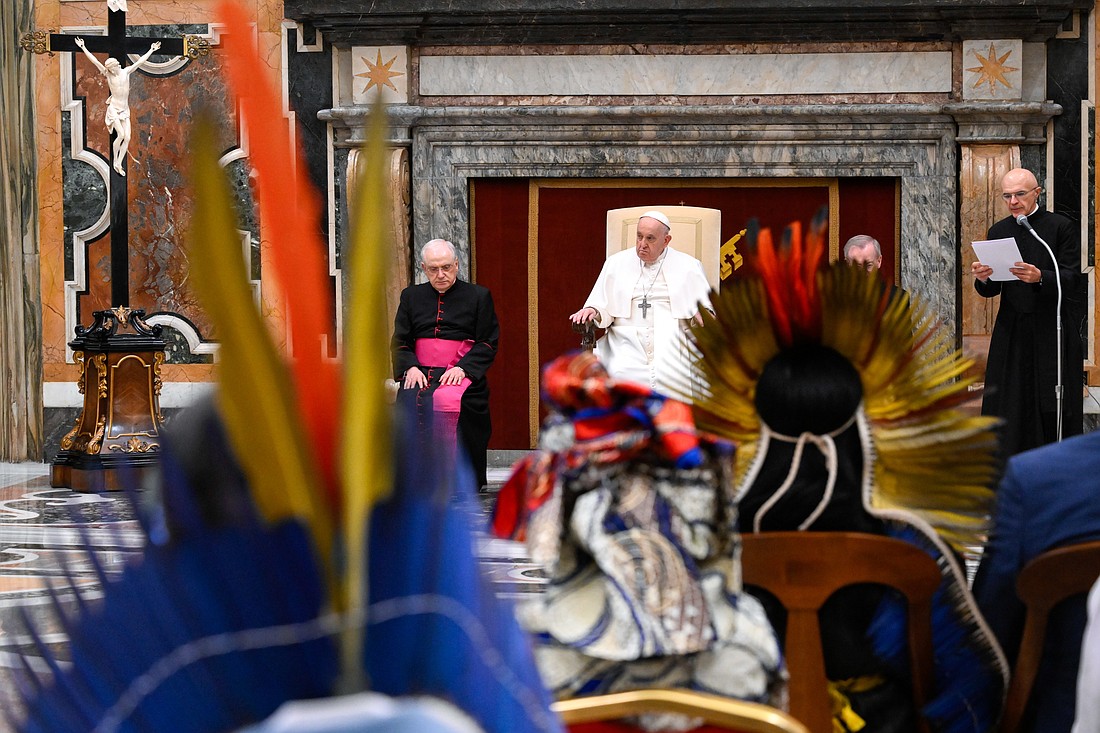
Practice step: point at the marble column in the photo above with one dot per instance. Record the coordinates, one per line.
(399, 196)
(20, 315)
(980, 170)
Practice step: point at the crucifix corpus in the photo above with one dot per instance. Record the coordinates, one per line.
(118, 428)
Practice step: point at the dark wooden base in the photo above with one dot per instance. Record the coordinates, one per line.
(69, 471)
(116, 437)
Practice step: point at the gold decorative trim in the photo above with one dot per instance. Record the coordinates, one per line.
(69, 440)
(718, 711)
(134, 445)
(196, 46)
(96, 441)
(834, 219)
(533, 312)
(473, 234)
(122, 315)
(158, 382)
(36, 42)
(78, 359)
(897, 232)
(100, 361)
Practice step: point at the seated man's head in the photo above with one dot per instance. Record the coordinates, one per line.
(863, 251)
(653, 236)
(439, 261)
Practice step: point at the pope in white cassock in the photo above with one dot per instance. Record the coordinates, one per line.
(644, 297)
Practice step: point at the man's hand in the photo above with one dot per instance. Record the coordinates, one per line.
(1026, 272)
(454, 375)
(584, 315)
(980, 271)
(155, 46)
(415, 378)
(79, 42)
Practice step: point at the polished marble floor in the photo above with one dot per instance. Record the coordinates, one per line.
(45, 534)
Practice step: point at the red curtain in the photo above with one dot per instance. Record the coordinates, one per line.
(569, 219)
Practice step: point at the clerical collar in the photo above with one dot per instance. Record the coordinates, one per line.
(1032, 213)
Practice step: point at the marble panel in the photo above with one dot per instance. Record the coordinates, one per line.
(85, 195)
(993, 69)
(1033, 86)
(380, 70)
(307, 68)
(163, 103)
(1068, 85)
(702, 75)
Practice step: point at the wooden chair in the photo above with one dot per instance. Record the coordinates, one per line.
(803, 569)
(721, 712)
(1046, 581)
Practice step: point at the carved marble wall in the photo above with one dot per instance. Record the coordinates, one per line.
(709, 111)
(72, 220)
(916, 146)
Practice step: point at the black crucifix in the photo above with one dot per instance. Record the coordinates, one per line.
(118, 46)
(118, 429)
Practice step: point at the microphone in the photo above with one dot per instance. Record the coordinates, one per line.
(1022, 221)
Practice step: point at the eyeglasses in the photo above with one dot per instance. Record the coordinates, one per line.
(1017, 194)
(445, 269)
(868, 265)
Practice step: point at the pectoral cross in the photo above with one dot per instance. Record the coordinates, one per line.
(117, 45)
(645, 306)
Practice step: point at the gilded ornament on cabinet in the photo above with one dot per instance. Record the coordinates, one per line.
(134, 445)
(78, 357)
(100, 361)
(96, 440)
(68, 441)
(122, 315)
(158, 359)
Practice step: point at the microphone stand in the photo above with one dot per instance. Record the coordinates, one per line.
(1022, 221)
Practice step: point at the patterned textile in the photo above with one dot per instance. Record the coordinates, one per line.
(630, 513)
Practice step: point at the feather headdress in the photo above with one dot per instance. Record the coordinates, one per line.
(929, 457)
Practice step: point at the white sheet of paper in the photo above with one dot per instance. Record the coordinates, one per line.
(1000, 254)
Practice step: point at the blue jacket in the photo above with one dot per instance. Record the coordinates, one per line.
(1049, 497)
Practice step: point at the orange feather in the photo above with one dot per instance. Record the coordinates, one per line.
(290, 213)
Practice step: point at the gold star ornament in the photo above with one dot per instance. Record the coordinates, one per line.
(992, 69)
(379, 73)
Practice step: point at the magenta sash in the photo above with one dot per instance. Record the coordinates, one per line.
(447, 398)
(441, 352)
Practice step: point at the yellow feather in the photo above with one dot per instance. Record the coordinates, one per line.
(366, 450)
(255, 394)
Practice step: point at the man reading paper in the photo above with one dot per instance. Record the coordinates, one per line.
(1021, 368)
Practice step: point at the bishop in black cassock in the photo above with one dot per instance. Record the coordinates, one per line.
(442, 325)
(1022, 363)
